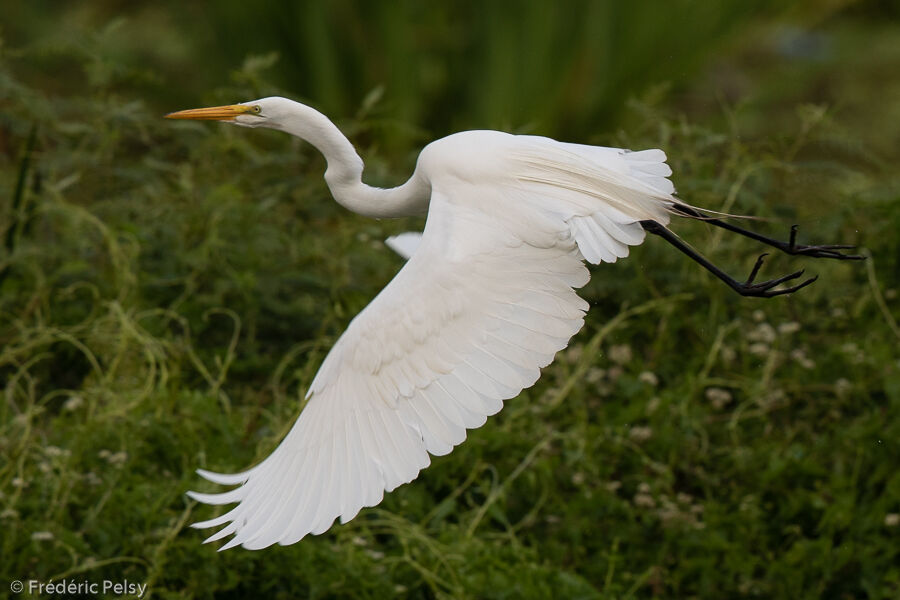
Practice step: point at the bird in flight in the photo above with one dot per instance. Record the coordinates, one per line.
(484, 301)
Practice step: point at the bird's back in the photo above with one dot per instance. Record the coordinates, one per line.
(540, 188)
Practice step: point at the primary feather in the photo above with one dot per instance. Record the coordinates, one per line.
(485, 300)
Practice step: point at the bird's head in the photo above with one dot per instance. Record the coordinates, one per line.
(294, 118)
(265, 112)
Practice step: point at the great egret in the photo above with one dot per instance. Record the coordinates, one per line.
(485, 300)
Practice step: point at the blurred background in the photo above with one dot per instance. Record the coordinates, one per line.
(167, 291)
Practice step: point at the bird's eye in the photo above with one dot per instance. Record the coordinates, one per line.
(257, 109)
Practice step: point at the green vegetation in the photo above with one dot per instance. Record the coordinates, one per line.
(167, 291)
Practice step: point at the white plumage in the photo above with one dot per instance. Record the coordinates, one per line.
(404, 244)
(484, 302)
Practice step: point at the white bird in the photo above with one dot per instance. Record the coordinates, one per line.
(485, 300)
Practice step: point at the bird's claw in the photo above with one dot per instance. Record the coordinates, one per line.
(823, 251)
(764, 289)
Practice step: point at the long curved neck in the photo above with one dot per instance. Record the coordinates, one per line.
(345, 167)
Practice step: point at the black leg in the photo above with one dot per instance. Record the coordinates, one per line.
(789, 247)
(763, 289)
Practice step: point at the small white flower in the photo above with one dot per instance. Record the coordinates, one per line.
(759, 315)
(649, 377)
(9, 513)
(18, 482)
(578, 478)
(759, 349)
(118, 458)
(684, 498)
(550, 394)
(73, 403)
(799, 355)
(891, 520)
(773, 397)
(789, 328)
(53, 451)
(669, 515)
(653, 405)
(718, 397)
(612, 486)
(762, 333)
(620, 354)
(640, 434)
(615, 372)
(728, 353)
(574, 353)
(842, 387)
(644, 500)
(644, 487)
(42, 536)
(595, 375)
(849, 348)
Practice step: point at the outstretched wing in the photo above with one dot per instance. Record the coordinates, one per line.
(466, 324)
(482, 305)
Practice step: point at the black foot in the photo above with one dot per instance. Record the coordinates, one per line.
(764, 289)
(826, 251)
(790, 247)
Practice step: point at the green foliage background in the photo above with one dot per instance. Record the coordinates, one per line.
(167, 291)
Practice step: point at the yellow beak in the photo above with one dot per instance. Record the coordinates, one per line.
(213, 113)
